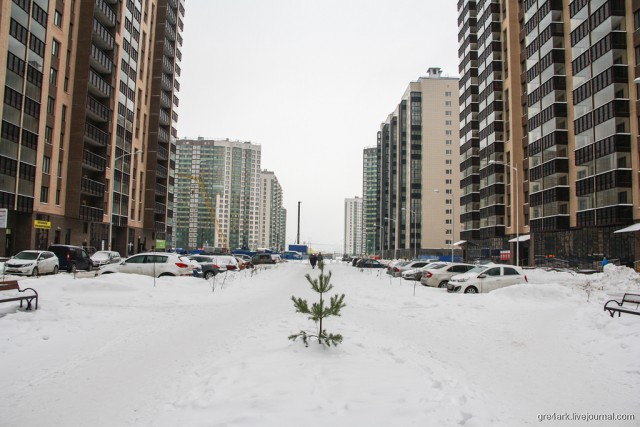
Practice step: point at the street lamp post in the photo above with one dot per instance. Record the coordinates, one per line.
(517, 209)
(111, 192)
(453, 221)
(413, 213)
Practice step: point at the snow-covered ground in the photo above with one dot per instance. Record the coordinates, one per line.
(118, 350)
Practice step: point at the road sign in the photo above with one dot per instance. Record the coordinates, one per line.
(42, 224)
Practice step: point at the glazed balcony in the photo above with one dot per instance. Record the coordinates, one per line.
(98, 86)
(100, 61)
(95, 136)
(96, 111)
(104, 13)
(101, 36)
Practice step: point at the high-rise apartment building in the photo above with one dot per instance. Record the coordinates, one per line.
(88, 121)
(419, 170)
(549, 128)
(353, 230)
(370, 201)
(217, 194)
(273, 217)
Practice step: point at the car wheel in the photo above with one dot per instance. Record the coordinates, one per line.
(55, 269)
(443, 284)
(208, 275)
(34, 272)
(471, 290)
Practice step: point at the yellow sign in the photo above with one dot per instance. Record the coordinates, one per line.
(42, 224)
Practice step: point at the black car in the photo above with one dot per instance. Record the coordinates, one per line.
(207, 265)
(262, 259)
(71, 257)
(370, 263)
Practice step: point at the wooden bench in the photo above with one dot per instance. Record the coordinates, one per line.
(11, 285)
(633, 306)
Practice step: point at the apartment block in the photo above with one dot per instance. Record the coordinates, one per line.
(548, 131)
(88, 122)
(273, 217)
(218, 194)
(419, 170)
(353, 231)
(370, 201)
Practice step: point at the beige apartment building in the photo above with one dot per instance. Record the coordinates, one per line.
(419, 164)
(88, 122)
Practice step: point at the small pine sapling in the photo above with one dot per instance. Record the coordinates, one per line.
(319, 310)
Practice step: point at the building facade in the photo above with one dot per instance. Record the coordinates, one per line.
(273, 216)
(353, 230)
(217, 194)
(370, 201)
(80, 146)
(419, 170)
(549, 129)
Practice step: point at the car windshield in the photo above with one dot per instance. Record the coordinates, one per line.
(436, 266)
(27, 255)
(100, 255)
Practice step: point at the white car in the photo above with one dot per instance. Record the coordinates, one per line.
(101, 258)
(397, 270)
(156, 264)
(416, 273)
(32, 263)
(486, 278)
(226, 262)
(438, 276)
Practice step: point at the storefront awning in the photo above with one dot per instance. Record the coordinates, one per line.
(459, 243)
(522, 238)
(629, 229)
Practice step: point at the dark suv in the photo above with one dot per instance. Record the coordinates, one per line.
(70, 256)
(262, 259)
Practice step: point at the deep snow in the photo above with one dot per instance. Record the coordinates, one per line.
(116, 350)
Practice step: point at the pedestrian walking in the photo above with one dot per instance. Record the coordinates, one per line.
(312, 260)
(320, 258)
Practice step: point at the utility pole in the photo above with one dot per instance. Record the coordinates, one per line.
(298, 237)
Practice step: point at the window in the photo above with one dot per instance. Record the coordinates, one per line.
(510, 271)
(55, 48)
(46, 164)
(53, 77)
(48, 132)
(447, 94)
(57, 18)
(64, 113)
(51, 105)
(44, 194)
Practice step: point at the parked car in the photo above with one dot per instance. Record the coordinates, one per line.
(70, 257)
(226, 262)
(439, 275)
(262, 259)
(486, 278)
(277, 258)
(244, 261)
(101, 258)
(416, 273)
(354, 261)
(370, 263)
(152, 264)
(397, 270)
(32, 263)
(208, 266)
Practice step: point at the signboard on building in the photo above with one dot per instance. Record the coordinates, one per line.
(161, 244)
(3, 218)
(46, 225)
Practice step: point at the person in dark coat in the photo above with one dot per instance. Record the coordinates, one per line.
(312, 260)
(320, 258)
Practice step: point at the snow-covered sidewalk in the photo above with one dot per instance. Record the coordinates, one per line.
(117, 351)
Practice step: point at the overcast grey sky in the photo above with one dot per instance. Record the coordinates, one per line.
(311, 82)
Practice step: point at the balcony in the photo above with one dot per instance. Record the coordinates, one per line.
(161, 190)
(164, 118)
(99, 61)
(171, 17)
(167, 65)
(169, 32)
(93, 161)
(96, 111)
(103, 12)
(95, 136)
(101, 36)
(159, 227)
(160, 208)
(89, 213)
(163, 154)
(178, 70)
(161, 172)
(91, 187)
(173, 4)
(165, 100)
(169, 49)
(163, 136)
(98, 86)
(167, 82)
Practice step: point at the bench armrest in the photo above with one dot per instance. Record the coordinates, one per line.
(612, 300)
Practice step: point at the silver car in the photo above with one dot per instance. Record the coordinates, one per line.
(32, 263)
(439, 276)
(101, 258)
